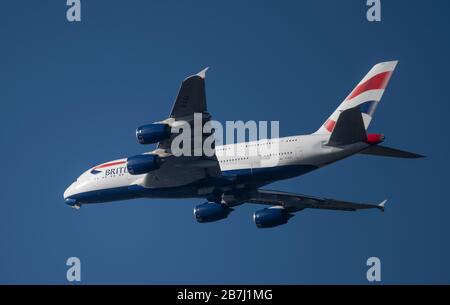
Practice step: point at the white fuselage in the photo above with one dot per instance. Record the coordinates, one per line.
(234, 159)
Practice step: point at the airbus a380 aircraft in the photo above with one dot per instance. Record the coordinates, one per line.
(226, 182)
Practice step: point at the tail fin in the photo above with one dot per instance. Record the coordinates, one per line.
(367, 94)
(349, 128)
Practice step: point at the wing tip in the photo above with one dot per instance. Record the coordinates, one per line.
(419, 156)
(381, 205)
(202, 74)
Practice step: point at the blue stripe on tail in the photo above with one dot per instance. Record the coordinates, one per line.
(368, 107)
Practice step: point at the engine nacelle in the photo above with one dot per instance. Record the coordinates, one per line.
(271, 217)
(211, 211)
(142, 164)
(152, 133)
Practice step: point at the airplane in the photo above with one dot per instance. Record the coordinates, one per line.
(226, 182)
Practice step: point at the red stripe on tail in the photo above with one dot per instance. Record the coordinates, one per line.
(329, 125)
(378, 81)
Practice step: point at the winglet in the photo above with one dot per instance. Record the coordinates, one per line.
(202, 73)
(381, 205)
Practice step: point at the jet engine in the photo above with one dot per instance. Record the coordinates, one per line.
(142, 164)
(271, 217)
(211, 211)
(152, 133)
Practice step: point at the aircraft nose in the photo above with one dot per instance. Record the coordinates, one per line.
(70, 195)
(70, 191)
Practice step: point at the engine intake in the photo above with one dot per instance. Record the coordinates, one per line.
(211, 211)
(152, 133)
(142, 164)
(271, 217)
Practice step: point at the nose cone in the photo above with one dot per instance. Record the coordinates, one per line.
(70, 191)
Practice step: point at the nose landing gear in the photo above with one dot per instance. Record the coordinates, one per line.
(73, 203)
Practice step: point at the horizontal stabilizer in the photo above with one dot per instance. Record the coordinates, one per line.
(383, 151)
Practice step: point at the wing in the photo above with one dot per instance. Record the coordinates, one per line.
(191, 99)
(295, 202)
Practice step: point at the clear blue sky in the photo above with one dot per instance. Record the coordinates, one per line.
(72, 95)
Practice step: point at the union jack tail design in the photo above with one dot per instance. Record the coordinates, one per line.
(367, 94)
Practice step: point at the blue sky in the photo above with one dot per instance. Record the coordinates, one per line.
(72, 95)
